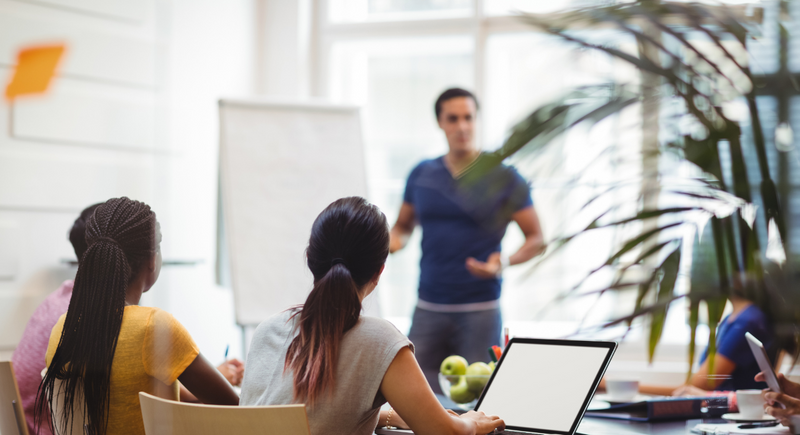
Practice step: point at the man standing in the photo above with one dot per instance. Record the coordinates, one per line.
(458, 311)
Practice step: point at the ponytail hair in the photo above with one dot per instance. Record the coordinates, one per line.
(121, 236)
(348, 246)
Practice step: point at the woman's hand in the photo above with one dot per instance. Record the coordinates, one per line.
(770, 407)
(398, 422)
(484, 423)
(787, 386)
(233, 370)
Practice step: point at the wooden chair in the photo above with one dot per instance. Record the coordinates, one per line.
(167, 417)
(12, 417)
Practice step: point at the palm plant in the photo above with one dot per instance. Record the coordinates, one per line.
(695, 54)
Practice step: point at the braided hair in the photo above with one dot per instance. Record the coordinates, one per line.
(77, 234)
(122, 237)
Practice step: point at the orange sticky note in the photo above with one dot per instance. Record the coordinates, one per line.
(35, 68)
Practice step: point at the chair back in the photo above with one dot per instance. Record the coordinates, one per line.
(78, 424)
(162, 417)
(12, 417)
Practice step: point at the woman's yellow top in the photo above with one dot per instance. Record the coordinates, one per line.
(153, 349)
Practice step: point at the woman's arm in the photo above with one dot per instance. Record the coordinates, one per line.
(206, 383)
(406, 389)
(722, 366)
(232, 370)
(699, 381)
(393, 418)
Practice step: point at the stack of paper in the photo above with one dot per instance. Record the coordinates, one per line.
(733, 429)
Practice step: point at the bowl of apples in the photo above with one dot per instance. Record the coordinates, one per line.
(463, 383)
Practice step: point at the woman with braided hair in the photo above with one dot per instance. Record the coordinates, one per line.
(106, 348)
(342, 365)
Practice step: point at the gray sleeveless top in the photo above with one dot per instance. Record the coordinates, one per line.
(365, 354)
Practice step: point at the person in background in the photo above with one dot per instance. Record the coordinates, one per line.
(28, 357)
(735, 367)
(342, 365)
(106, 348)
(458, 311)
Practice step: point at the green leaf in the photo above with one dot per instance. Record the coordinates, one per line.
(694, 319)
(642, 292)
(772, 208)
(649, 214)
(589, 103)
(641, 312)
(715, 308)
(633, 243)
(666, 291)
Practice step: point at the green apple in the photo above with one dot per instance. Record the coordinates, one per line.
(477, 376)
(492, 365)
(460, 392)
(453, 365)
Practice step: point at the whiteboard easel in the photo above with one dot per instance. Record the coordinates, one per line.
(281, 164)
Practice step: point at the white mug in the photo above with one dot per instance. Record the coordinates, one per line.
(751, 404)
(622, 390)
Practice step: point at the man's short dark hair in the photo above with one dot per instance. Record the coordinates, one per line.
(449, 95)
(77, 234)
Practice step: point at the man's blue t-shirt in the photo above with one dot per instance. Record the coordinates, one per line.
(460, 222)
(732, 344)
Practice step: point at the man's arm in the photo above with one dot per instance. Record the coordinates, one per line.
(528, 222)
(402, 229)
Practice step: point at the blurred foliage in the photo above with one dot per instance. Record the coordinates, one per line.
(705, 66)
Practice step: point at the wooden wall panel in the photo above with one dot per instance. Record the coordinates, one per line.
(91, 54)
(83, 115)
(125, 10)
(70, 178)
(39, 244)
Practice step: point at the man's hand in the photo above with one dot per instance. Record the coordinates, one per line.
(489, 269)
(233, 370)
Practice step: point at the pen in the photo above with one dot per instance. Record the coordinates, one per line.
(759, 424)
(492, 355)
(227, 348)
(506, 333)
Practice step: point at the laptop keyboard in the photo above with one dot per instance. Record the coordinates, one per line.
(513, 432)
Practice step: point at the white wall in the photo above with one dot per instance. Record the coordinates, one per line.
(132, 112)
(209, 55)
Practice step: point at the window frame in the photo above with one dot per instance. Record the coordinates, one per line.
(478, 26)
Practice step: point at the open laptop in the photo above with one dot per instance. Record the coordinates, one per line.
(543, 386)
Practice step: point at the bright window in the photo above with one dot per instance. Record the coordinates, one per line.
(394, 57)
(513, 70)
(341, 11)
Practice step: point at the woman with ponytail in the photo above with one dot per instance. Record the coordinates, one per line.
(106, 348)
(342, 365)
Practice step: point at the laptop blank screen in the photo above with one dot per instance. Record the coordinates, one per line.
(542, 386)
